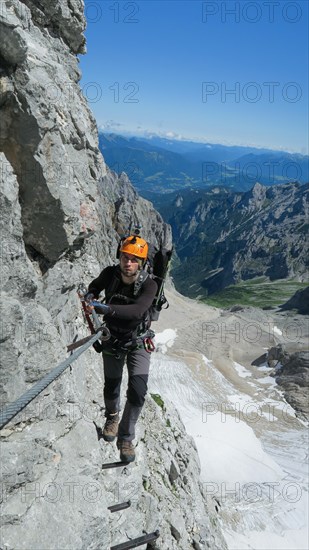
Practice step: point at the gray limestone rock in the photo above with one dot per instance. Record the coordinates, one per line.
(62, 18)
(18, 278)
(173, 473)
(48, 135)
(292, 374)
(178, 509)
(122, 193)
(293, 377)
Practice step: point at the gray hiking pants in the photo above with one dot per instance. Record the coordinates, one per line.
(138, 363)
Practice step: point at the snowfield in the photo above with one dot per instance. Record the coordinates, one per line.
(252, 448)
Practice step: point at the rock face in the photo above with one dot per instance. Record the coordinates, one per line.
(48, 134)
(163, 487)
(300, 302)
(62, 213)
(232, 237)
(292, 374)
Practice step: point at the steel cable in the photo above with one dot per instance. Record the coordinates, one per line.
(8, 412)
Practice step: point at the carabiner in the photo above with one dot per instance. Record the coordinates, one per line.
(149, 345)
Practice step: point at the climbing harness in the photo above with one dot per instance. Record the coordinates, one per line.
(119, 348)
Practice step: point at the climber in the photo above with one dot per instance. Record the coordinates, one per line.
(129, 293)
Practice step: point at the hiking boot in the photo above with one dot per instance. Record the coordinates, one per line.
(126, 449)
(110, 429)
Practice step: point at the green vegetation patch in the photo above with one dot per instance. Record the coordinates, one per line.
(158, 399)
(256, 293)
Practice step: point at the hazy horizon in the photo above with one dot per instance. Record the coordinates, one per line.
(147, 134)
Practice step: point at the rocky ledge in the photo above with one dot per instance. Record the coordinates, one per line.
(292, 374)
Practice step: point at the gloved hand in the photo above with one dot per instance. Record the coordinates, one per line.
(88, 297)
(101, 308)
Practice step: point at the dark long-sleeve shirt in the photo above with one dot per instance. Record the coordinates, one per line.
(124, 319)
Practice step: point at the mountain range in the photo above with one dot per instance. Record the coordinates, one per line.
(223, 237)
(247, 222)
(158, 165)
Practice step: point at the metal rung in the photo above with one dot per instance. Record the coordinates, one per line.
(137, 542)
(120, 506)
(114, 465)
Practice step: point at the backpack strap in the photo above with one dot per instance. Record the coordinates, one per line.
(139, 282)
(115, 282)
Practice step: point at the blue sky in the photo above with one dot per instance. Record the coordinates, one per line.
(167, 67)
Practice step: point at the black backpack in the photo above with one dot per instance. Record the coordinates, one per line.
(157, 265)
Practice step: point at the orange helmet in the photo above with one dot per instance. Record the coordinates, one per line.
(136, 246)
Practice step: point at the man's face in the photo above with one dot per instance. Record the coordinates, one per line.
(129, 264)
